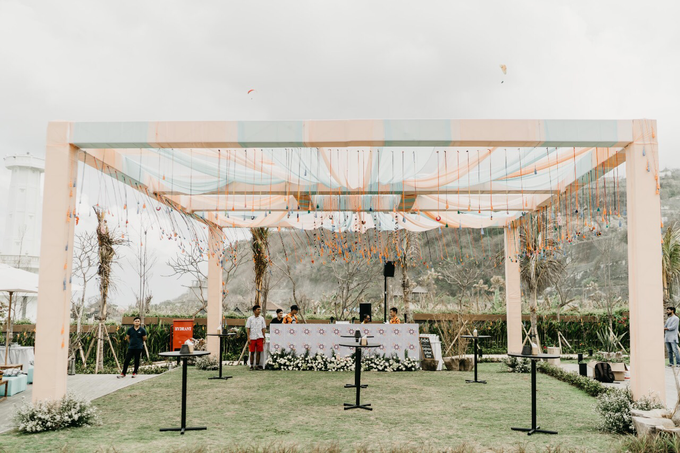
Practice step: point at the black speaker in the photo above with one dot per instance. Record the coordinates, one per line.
(388, 271)
(364, 309)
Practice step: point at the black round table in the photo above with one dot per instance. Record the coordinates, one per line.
(357, 376)
(475, 337)
(184, 358)
(533, 358)
(222, 337)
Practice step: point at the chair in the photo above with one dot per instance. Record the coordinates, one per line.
(10, 366)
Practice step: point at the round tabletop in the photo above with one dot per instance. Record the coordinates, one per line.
(177, 354)
(230, 334)
(357, 345)
(534, 356)
(476, 336)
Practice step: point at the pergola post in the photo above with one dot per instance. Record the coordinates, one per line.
(56, 257)
(513, 291)
(645, 287)
(214, 291)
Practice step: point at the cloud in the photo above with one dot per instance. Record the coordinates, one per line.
(128, 60)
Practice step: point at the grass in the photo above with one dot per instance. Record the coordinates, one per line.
(284, 411)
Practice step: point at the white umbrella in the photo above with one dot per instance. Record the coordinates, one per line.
(13, 280)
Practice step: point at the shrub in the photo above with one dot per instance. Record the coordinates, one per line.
(517, 365)
(207, 363)
(588, 385)
(615, 405)
(660, 443)
(70, 411)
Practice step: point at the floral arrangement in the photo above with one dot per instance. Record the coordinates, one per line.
(70, 411)
(289, 361)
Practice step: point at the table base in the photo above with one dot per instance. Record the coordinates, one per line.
(186, 428)
(358, 406)
(470, 381)
(531, 431)
(353, 386)
(221, 377)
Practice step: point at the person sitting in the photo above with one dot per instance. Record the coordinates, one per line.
(393, 316)
(292, 318)
(367, 319)
(279, 317)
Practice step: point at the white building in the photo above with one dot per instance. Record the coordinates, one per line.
(20, 246)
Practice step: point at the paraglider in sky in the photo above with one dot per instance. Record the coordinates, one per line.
(505, 71)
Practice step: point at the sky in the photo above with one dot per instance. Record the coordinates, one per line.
(134, 60)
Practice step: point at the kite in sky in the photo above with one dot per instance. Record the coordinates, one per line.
(505, 70)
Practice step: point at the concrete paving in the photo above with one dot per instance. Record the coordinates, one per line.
(88, 386)
(671, 391)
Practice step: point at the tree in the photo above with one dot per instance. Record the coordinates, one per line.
(232, 258)
(408, 257)
(670, 260)
(143, 263)
(538, 268)
(354, 278)
(107, 241)
(85, 262)
(260, 246)
(463, 275)
(190, 262)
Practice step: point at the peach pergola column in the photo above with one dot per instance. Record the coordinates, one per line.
(645, 288)
(56, 257)
(214, 291)
(513, 291)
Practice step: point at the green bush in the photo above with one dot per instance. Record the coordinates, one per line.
(615, 406)
(207, 363)
(517, 365)
(588, 385)
(659, 443)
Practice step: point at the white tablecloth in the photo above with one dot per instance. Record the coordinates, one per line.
(393, 339)
(18, 355)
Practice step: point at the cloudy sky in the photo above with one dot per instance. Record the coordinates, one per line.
(185, 60)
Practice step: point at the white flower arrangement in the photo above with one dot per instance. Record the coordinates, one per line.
(289, 361)
(70, 411)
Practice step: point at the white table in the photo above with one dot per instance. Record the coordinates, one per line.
(394, 339)
(23, 355)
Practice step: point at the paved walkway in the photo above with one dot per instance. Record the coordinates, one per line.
(88, 386)
(671, 391)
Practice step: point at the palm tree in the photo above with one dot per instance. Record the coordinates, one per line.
(260, 247)
(670, 260)
(538, 268)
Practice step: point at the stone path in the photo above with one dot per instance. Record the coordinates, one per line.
(88, 386)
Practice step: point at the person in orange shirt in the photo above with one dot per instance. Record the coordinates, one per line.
(393, 316)
(291, 318)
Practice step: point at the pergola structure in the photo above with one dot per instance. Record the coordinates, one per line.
(352, 175)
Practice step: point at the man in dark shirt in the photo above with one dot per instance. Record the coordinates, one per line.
(279, 317)
(136, 335)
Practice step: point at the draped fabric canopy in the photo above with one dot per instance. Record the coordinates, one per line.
(401, 184)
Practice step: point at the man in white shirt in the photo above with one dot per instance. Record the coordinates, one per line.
(255, 329)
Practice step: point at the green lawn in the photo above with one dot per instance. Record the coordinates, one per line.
(417, 410)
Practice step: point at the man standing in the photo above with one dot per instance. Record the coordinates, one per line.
(671, 336)
(393, 316)
(136, 335)
(255, 329)
(291, 318)
(279, 317)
